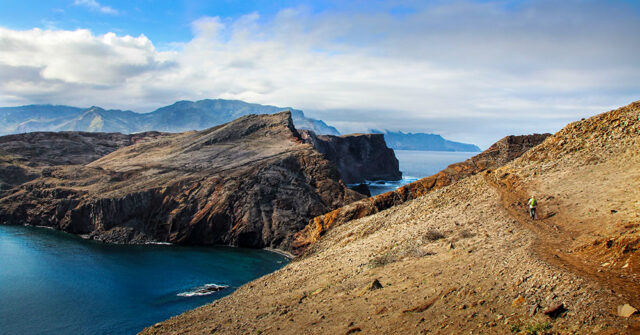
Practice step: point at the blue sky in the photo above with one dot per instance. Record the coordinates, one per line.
(470, 70)
(164, 22)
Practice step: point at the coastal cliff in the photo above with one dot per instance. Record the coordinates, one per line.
(359, 157)
(252, 182)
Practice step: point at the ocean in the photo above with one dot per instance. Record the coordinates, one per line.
(56, 283)
(416, 164)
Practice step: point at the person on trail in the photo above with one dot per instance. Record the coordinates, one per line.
(533, 203)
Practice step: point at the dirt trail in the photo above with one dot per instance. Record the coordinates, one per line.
(554, 240)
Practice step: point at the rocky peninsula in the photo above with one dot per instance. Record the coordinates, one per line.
(252, 182)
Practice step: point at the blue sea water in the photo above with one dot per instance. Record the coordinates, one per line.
(56, 283)
(416, 164)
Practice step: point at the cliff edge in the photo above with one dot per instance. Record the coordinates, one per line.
(359, 157)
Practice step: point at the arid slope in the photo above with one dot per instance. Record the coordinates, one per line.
(466, 259)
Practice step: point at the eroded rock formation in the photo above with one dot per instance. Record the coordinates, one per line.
(359, 157)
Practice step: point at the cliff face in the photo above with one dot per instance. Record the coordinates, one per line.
(359, 157)
(251, 182)
(497, 155)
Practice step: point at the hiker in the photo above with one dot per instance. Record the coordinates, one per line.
(533, 203)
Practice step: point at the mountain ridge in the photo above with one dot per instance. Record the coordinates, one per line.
(399, 140)
(180, 116)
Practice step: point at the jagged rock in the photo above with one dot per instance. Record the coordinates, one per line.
(359, 157)
(251, 183)
(362, 189)
(626, 310)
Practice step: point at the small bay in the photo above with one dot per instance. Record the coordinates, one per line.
(56, 283)
(416, 164)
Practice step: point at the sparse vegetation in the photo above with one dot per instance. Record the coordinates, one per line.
(433, 235)
(538, 328)
(396, 253)
(382, 260)
(466, 233)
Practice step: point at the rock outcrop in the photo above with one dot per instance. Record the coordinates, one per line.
(497, 155)
(252, 182)
(359, 157)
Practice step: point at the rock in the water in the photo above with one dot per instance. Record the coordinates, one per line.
(626, 310)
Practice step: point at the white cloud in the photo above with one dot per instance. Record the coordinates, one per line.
(95, 6)
(472, 72)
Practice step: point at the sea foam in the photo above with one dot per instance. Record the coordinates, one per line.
(206, 289)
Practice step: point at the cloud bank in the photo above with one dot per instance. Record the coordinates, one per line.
(470, 71)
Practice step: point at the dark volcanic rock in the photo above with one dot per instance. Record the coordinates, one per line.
(362, 189)
(252, 182)
(359, 157)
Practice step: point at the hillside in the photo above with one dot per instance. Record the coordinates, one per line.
(398, 140)
(500, 153)
(178, 117)
(465, 258)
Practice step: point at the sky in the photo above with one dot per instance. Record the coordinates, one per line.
(472, 71)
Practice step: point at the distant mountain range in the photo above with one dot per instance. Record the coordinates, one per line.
(178, 117)
(422, 141)
(184, 116)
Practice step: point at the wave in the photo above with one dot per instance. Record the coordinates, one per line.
(206, 289)
(158, 243)
(387, 183)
